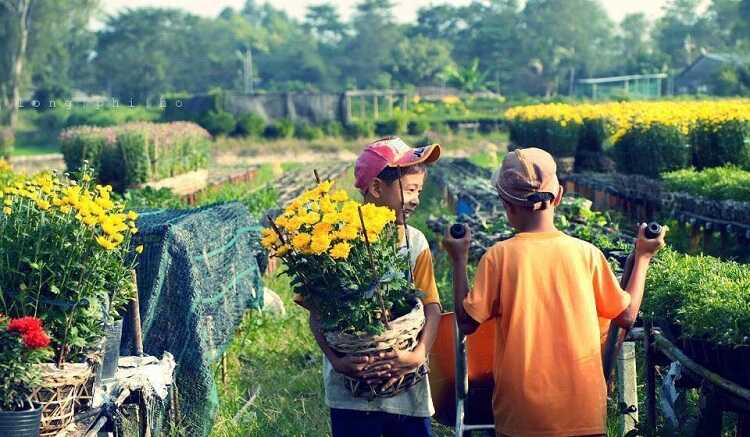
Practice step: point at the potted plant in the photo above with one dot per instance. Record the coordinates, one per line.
(67, 260)
(705, 303)
(345, 263)
(23, 344)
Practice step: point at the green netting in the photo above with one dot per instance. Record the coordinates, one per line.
(198, 274)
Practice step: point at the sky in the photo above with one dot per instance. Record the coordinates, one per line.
(406, 10)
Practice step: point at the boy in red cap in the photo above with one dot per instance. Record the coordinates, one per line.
(377, 174)
(545, 291)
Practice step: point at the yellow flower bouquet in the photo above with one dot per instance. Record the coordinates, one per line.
(353, 276)
(66, 257)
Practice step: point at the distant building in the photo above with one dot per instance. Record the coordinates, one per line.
(640, 86)
(700, 76)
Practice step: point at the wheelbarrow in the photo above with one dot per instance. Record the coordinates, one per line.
(461, 387)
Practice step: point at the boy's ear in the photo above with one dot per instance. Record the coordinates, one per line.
(558, 198)
(375, 189)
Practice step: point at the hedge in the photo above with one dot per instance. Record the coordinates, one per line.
(718, 143)
(558, 138)
(283, 128)
(719, 183)
(250, 124)
(651, 150)
(135, 153)
(705, 297)
(717, 131)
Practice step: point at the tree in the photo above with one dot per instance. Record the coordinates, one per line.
(324, 22)
(370, 50)
(420, 60)
(469, 79)
(564, 40)
(18, 19)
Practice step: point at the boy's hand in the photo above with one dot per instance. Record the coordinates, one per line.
(647, 248)
(393, 365)
(458, 249)
(352, 366)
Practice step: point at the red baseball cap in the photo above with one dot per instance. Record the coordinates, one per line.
(390, 152)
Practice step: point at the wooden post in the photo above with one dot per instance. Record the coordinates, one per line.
(375, 106)
(627, 386)
(390, 104)
(404, 103)
(348, 108)
(650, 429)
(362, 107)
(135, 317)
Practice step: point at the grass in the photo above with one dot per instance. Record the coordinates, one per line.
(33, 140)
(277, 360)
(466, 141)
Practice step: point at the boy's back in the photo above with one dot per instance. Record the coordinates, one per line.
(545, 291)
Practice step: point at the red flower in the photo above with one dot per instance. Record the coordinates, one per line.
(35, 339)
(31, 331)
(25, 325)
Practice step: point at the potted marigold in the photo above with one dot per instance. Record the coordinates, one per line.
(23, 344)
(67, 260)
(345, 263)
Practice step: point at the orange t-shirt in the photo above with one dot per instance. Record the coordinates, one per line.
(545, 292)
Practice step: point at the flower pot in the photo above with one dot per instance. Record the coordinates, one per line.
(21, 423)
(729, 362)
(403, 334)
(111, 351)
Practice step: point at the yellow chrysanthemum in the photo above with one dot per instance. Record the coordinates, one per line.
(340, 250)
(139, 249)
(301, 241)
(320, 243)
(7, 210)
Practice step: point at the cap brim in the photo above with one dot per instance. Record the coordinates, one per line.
(420, 155)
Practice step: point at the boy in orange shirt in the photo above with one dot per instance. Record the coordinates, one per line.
(545, 291)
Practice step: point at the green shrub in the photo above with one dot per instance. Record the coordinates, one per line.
(148, 197)
(283, 128)
(131, 154)
(360, 129)
(218, 122)
(307, 131)
(706, 297)
(54, 119)
(440, 128)
(250, 124)
(395, 126)
(590, 148)
(558, 138)
(333, 128)
(716, 144)
(651, 150)
(719, 183)
(108, 116)
(418, 126)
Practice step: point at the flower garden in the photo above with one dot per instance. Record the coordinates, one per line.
(70, 242)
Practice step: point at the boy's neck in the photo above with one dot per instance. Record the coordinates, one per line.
(538, 222)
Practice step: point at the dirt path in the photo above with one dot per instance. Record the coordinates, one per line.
(229, 158)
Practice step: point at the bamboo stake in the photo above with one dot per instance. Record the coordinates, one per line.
(383, 315)
(403, 217)
(276, 229)
(317, 177)
(135, 318)
(674, 353)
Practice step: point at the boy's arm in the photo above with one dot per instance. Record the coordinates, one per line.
(393, 365)
(645, 249)
(347, 365)
(458, 249)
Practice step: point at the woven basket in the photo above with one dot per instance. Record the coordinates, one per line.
(402, 335)
(58, 393)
